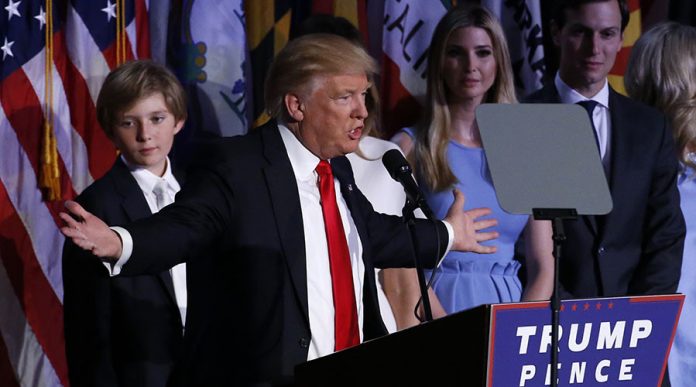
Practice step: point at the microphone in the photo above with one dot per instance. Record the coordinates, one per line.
(400, 170)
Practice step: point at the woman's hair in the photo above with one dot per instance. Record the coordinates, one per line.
(302, 60)
(433, 133)
(662, 73)
(132, 81)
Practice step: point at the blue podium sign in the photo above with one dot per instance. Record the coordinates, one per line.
(602, 342)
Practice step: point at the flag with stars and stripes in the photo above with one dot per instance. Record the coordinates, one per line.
(55, 56)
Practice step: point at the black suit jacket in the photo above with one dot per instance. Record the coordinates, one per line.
(121, 331)
(247, 204)
(637, 248)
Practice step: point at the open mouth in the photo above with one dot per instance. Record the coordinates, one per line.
(356, 133)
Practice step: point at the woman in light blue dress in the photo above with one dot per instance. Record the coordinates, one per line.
(662, 72)
(469, 64)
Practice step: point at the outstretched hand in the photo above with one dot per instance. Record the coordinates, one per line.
(467, 229)
(89, 232)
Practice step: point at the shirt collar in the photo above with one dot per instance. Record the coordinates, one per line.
(303, 161)
(569, 95)
(147, 180)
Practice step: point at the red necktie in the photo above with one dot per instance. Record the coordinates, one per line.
(346, 315)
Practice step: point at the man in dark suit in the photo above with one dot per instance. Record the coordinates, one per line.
(128, 331)
(637, 248)
(265, 205)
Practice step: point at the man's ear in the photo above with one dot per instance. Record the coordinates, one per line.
(555, 32)
(294, 106)
(179, 124)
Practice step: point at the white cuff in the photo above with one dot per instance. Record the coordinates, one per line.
(450, 239)
(126, 251)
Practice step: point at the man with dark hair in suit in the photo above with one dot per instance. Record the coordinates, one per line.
(299, 242)
(637, 248)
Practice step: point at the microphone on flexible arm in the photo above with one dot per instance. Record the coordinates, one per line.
(400, 170)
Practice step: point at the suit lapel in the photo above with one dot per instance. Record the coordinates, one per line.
(621, 145)
(373, 326)
(343, 172)
(135, 206)
(282, 188)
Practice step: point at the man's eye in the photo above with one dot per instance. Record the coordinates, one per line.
(577, 31)
(158, 119)
(608, 34)
(126, 124)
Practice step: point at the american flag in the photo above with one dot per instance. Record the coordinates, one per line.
(48, 130)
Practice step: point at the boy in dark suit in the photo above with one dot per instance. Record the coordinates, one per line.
(128, 331)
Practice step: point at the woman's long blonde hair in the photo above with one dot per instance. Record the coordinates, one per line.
(433, 133)
(662, 73)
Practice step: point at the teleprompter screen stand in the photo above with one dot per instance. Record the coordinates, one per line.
(544, 162)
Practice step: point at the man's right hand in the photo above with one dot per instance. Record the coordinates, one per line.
(90, 233)
(468, 227)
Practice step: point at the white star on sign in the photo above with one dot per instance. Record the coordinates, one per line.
(12, 9)
(6, 49)
(110, 10)
(41, 17)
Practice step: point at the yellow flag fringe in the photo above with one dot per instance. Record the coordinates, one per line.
(49, 175)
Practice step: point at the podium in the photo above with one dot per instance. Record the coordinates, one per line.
(605, 341)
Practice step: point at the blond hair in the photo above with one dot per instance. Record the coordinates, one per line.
(306, 58)
(433, 133)
(662, 73)
(134, 80)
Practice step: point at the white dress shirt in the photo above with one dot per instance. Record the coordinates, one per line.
(146, 181)
(600, 115)
(319, 289)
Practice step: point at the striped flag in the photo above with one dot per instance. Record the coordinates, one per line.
(631, 34)
(270, 24)
(408, 26)
(52, 148)
(268, 31)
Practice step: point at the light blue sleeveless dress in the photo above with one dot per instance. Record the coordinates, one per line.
(682, 358)
(467, 280)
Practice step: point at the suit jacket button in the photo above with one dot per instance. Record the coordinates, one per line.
(601, 250)
(304, 343)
